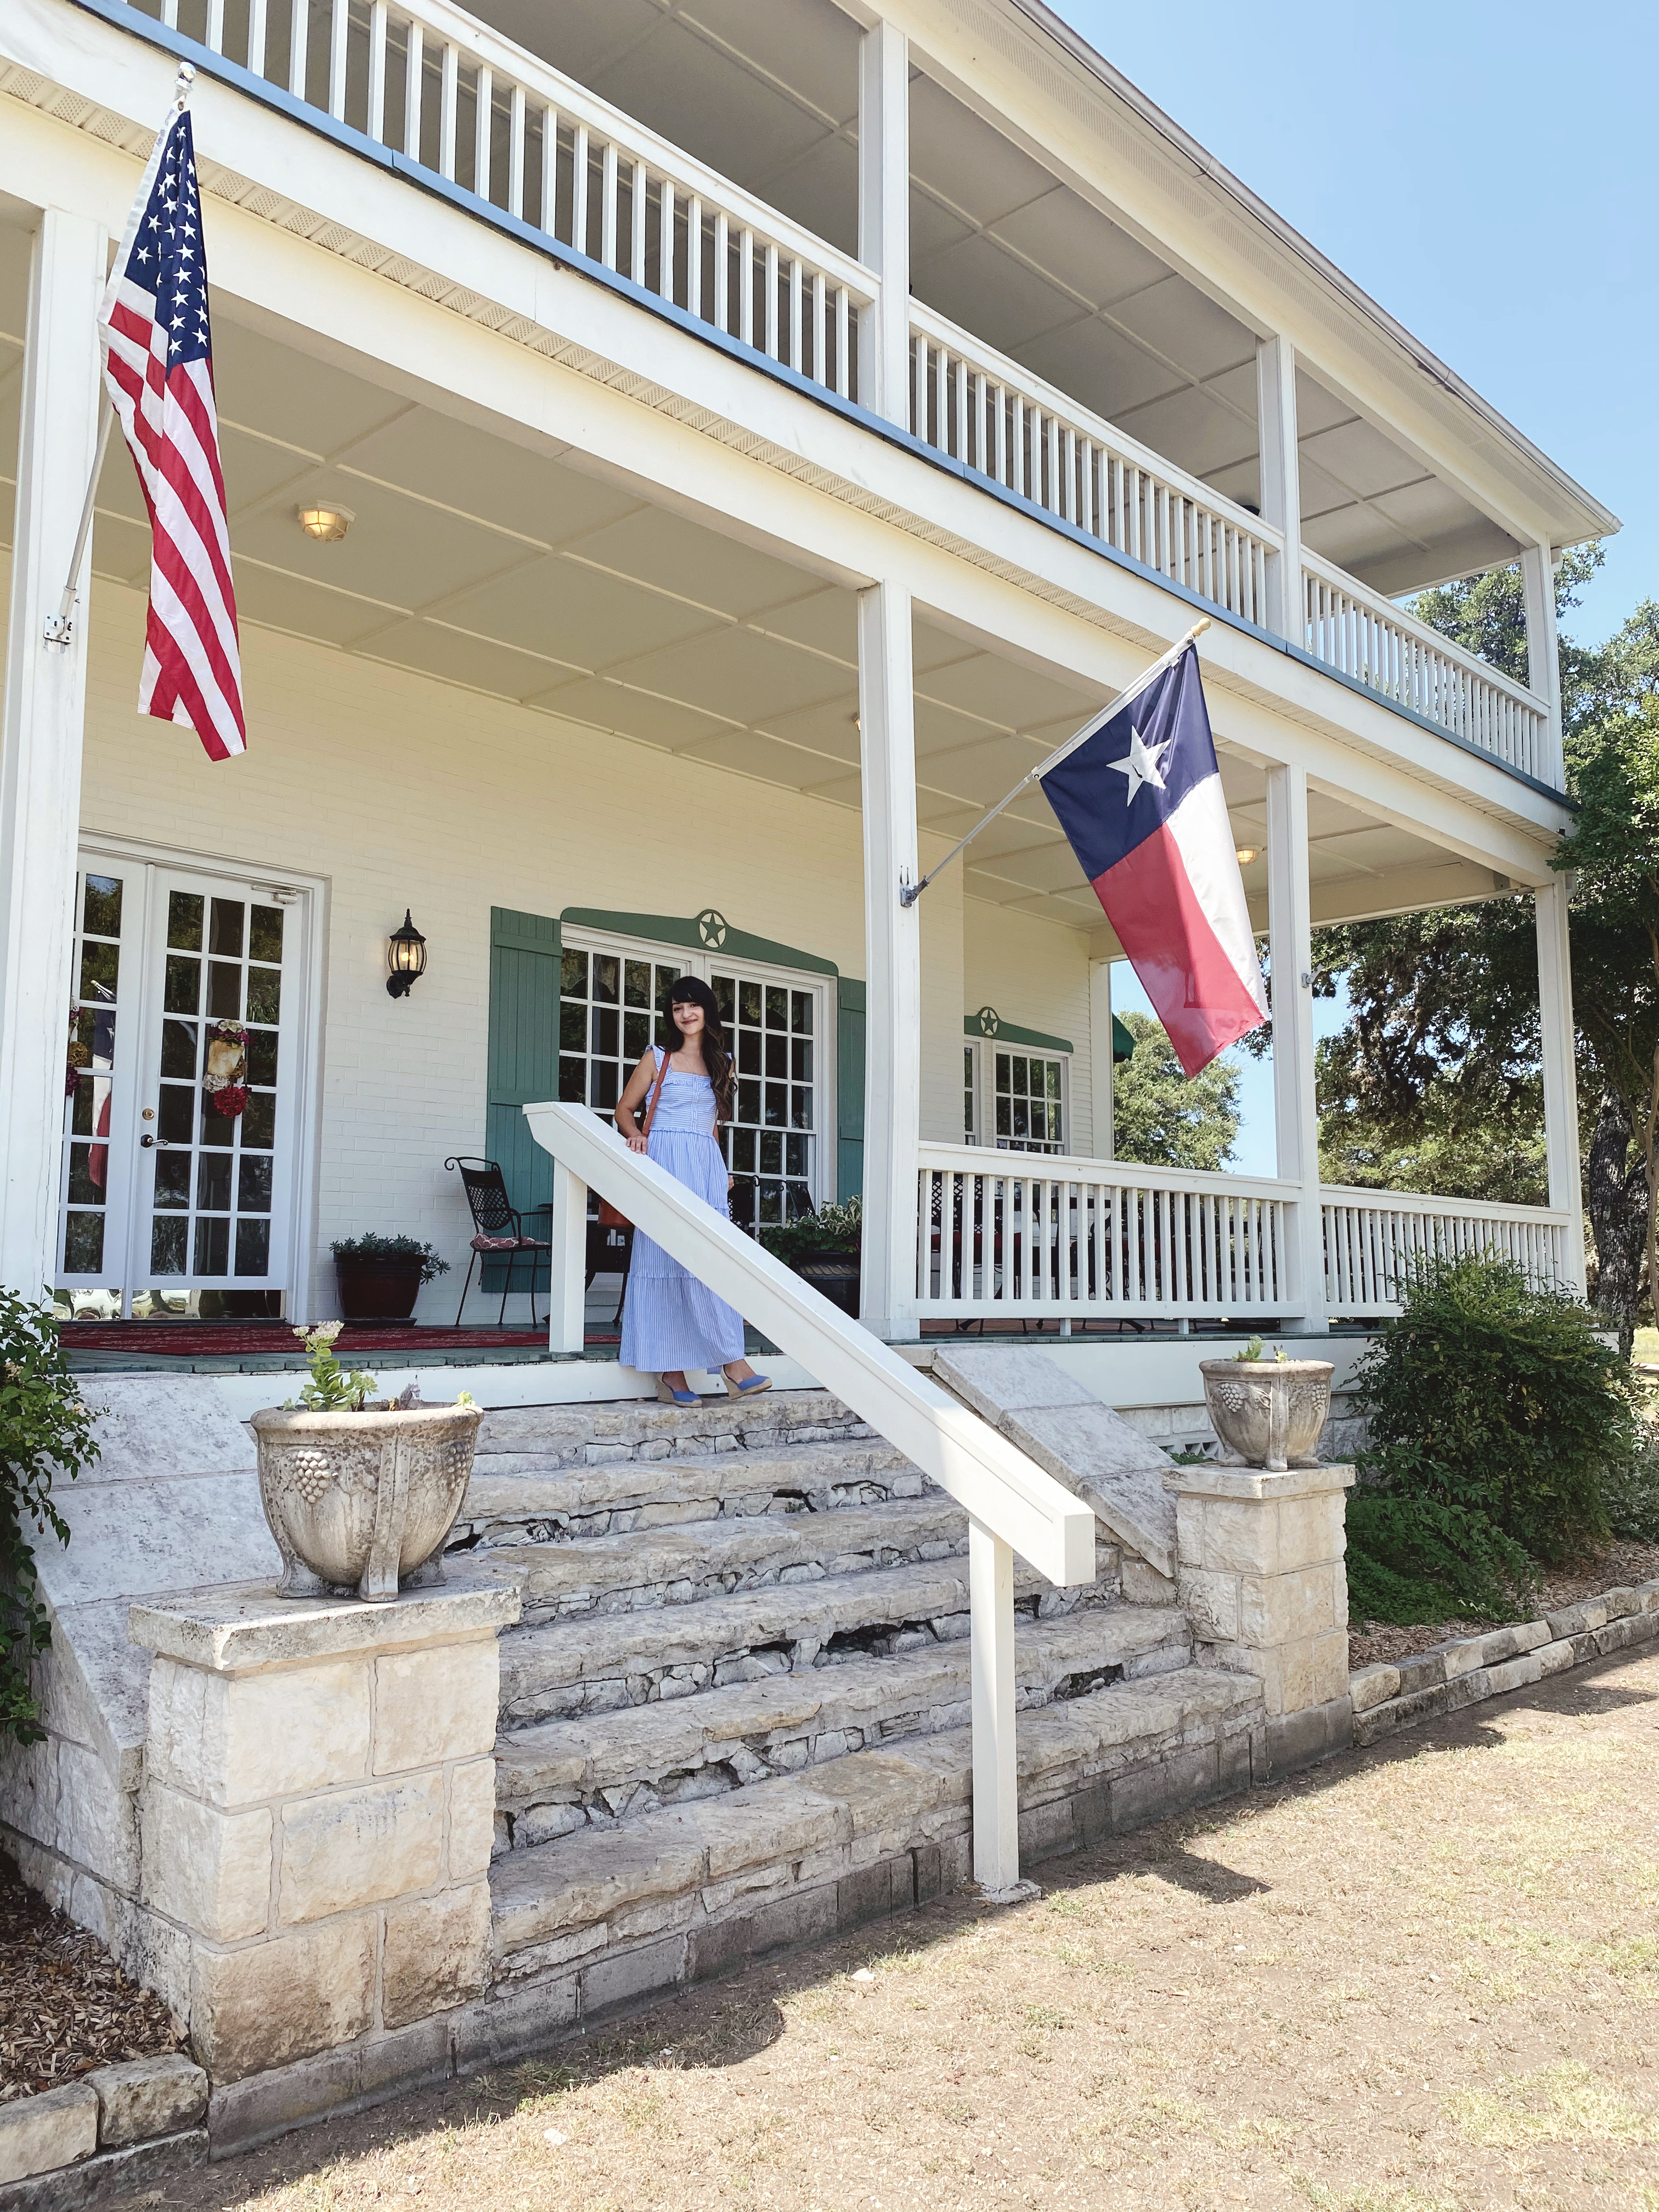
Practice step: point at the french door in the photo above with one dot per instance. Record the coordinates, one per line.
(777, 1024)
(181, 1131)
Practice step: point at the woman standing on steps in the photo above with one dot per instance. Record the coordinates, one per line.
(672, 1321)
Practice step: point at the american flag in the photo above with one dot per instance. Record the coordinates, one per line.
(158, 365)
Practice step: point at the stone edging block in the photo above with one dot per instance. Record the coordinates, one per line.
(1467, 1669)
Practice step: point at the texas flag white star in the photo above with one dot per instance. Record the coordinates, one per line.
(1142, 764)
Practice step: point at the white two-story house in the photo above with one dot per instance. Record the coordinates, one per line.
(683, 464)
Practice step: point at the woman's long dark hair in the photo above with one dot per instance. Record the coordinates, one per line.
(691, 990)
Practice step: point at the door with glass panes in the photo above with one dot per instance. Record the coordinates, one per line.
(189, 1003)
(776, 1021)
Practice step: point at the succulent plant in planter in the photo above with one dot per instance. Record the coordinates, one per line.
(361, 1495)
(1268, 1409)
(381, 1277)
(823, 1249)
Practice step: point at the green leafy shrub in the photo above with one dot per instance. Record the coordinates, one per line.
(372, 1246)
(831, 1228)
(1497, 1420)
(1631, 1492)
(45, 1431)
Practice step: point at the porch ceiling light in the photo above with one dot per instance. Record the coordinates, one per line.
(405, 958)
(1245, 855)
(327, 525)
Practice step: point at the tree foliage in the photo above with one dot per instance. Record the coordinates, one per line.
(1162, 1118)
(1433, 1084)
(45, 1431)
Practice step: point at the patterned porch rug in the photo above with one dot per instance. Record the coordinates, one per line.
(184, 1340)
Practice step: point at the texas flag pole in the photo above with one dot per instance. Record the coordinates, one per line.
(1137, 792)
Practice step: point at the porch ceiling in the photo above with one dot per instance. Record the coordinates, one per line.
(768, 95)
(479, 563)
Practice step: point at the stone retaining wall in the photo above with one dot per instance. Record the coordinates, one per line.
(1468, 1668)
(111, 2129)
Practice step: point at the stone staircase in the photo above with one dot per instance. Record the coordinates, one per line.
(736, 1712)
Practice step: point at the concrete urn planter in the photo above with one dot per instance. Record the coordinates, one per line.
(362, 1503)
(1268, 1412)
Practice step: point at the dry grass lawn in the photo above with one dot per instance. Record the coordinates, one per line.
(1419, 1979)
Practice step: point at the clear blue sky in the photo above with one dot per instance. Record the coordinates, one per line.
(1489, 172)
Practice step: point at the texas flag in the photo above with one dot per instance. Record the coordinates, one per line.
(1139, 798)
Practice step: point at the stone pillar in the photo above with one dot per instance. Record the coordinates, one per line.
(317, 1817)
(40, 740)
(1260, 1572)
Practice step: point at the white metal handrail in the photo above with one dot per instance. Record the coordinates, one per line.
(985, 410)
(437, 85)
(1374, 1238)
(1362, 635)
(1016, 1236)
(1011, 1504)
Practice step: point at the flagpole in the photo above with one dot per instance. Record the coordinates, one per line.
(60, 627)
(909, 893)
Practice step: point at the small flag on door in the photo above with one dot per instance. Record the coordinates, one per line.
(1141, 803)
(158, 365)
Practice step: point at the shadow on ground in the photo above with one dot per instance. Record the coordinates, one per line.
(723, 2024)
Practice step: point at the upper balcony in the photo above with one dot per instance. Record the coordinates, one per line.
(710, 167)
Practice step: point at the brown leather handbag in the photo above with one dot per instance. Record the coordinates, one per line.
(612, 1217)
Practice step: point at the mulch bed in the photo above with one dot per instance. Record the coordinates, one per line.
(1614, 1566)
(65, 2006)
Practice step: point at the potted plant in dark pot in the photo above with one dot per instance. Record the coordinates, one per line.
(822, 1248)
(381, 1277)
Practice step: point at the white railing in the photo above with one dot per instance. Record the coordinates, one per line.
(430, 83)
(1012, 1504)
(1012, 1235)
(1355, 632)
(987, 411)
(1373, 1238)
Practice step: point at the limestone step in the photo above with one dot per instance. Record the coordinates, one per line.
(555, 1776)
(515, 1491)
(617, 1429)
(610, 1884)
(604, 1661)
(650, 1569)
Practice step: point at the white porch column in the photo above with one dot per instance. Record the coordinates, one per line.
(1543, 666)
(44, 708)
(885, 219)
(1560, 1081)
(1281, 481)
(1295, 1110)
(1100, 1055)
(892, 941)
(991, 1666)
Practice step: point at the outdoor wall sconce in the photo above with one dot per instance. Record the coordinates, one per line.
(405, 958)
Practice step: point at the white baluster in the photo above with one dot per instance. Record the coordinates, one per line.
(550, 171)
(771, 324)
(170, 14)
(339, 26)
(919, 410)
(256, 37)
(820, 331)
(694, 255)
(843, 342)
(746, 281)
(215, 40)
(484, 114)
(963, 453)
(608, 206)
(796, 304)
(722, 273)
(377, 71)
(666, 243)
(298, 30)
(1000, 471)
(639, 199)
(580, 164)
(515, 138)
(449, 96)
(413, 76)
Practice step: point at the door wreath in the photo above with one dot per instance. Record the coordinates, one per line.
(226, 1080)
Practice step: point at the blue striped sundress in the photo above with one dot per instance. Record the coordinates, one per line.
(672, 1321)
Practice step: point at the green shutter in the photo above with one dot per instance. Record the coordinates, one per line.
(524, 1062)
(849, 1085)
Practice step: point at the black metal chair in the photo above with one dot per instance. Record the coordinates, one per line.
(498, 1228)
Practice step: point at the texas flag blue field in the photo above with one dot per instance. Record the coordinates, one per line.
(1140, 802)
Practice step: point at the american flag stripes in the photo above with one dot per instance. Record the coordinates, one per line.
(158, 365)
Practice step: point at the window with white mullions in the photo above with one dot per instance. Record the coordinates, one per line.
(1030, 1102)
(770, 1140)
(610, 1010)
